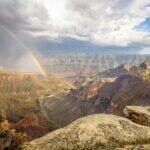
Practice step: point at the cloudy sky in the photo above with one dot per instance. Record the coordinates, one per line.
(49, 26)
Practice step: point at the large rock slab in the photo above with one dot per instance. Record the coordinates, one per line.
(138, 114)
(95, 132)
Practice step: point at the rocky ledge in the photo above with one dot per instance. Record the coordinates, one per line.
(96, 132)
(99, 132)
(138, 114)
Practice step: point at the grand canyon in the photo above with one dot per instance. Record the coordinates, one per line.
(32, 105)
(74, 75)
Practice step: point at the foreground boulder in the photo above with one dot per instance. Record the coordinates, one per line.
(99, 131)
(138, 114)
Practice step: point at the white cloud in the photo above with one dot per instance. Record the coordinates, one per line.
(102, 22)
(109, 23)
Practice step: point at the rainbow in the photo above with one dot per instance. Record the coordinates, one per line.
(34, 57)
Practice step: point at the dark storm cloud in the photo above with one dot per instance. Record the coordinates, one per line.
(10, 19)
(16, 18)
(10, 16)
(17, 15)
